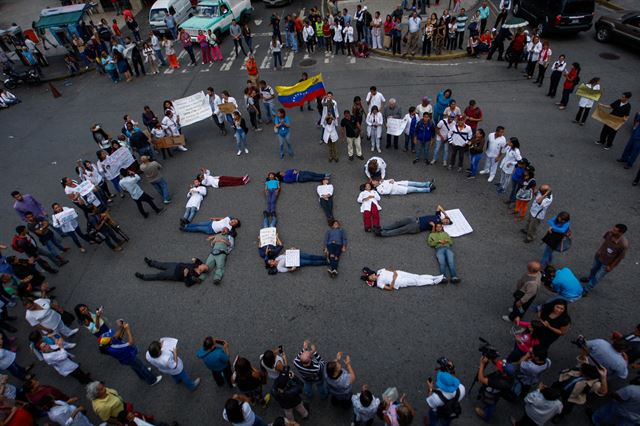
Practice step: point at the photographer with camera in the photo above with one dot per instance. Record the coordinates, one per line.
(287, 391)
(494, 385)
(576, 383)
(445, 395)
(540, 406)
(611, 356)
(526, 291)
(531, 367)
(215, 355)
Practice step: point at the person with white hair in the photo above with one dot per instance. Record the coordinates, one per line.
(391, 110)
(392, 279)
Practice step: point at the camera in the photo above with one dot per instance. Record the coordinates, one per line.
(445, 365)
(580, 342)
(488, 350)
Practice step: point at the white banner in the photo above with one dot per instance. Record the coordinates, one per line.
(65, 216)
(121, 158)
(268, 237)
(85, 187)
(292, 258)
(192, 109)
(396, 126)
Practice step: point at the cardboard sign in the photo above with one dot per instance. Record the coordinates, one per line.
(193, 108)
(602, 115)
(268, 237)
(588, 93)
(65, 216)
(85, 187)
(292, 258)
(396, 126)
(169, 141)
(227, 108)
(121, 158)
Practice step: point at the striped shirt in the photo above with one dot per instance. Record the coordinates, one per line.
(313, 372)
(461, 22)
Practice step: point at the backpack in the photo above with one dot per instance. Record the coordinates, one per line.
(14, 244)
(451, 408)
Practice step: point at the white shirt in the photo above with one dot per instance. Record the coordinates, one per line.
(219, 225)
(282, 263)
(158, 133)
(90, 197)
(348, 34)
(195, 196)
(420, 110)
(69, 226)
(366, 204)
(434, 400)
(325, 190)
(170, 125)
(212, 181)
(545, 54)
(586, 102)
(165, 363)
(539, 210)
(382, 167)
(337, 36)
(45, 317)
(374, 119)
(247, 413)
(444, 127)
(155, 42)
(93, 175)
(533, 50)
(60, 360)
(215, 103)
(392, 187)
(61, 414)
(377, 100)
(460, 137)
(495, 145)
(330, 132)
(559, 66)
(6, 358)
(510, 159)
(505, 4)
(308, 33)
(231, 100)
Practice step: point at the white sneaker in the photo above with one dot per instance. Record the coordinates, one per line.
(444, 164)
(74, 331)
(68, 345)
(197, 383)
(490, 179)
(379, 151)
(246, 151)
(506, 318)
(239, 152)
(483, 172)
(182, 148)
(372, 148)
(432, 162)
(158, 378)
(510, 310)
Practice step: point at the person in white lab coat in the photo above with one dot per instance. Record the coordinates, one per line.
(370, 207)
(392, 279)
(196, 194)
(374, 127)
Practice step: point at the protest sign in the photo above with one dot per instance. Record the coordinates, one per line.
(84, 188)
(193, 108)
(65, 216)
(268, 237)
(292, 258)
(602, 115)
(588, 93)
(121, 158)
(169, 141)
(227, 108)
(396, 126)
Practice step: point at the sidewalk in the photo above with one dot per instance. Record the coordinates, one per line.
(620, 4)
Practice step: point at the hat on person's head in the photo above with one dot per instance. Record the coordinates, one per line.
(426, 98)
(447, 382)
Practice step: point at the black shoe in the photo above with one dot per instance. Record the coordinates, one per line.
(147, 261)
(217, 281)
(619, 160)
(351, 158)
(63, 262)
(145, 215)
(183, 221)
(360, 157)
(138, 275)
(415, 161)
(584, 279)
(634, 183)
(160, 211)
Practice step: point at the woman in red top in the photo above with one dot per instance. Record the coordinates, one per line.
(516, 48)
(328, 37)
(388, 26)
(34, 392)
(571, 79)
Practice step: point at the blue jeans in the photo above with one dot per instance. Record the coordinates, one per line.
(204, 227)
(141, 370)
(596, 275)
(241, 140)
(189, 214)
(421, 148)
(335, 250)
(446, 259)
(74, 236)
(489, 411)
(609, 414)
(272, 198)
(307, 259)
(436, 150)
(475, 162)
(285, 140)
(184, 378)
(174, 32)
(418, 187)
(547, 256)
(116, 184)
(17, 371)
(160, 57)
(305, 176)
(322, 389)
(267, 224)
(52, 244)
(292, 41)
(434, 420)
(162, 188)
(269, 109)
(148, 151)
(631, 151)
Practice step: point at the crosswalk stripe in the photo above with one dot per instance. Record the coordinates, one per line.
(289, 61)
(181, 55)
(352, 60)
(266, 62)
(227, 65)
(244, 62)
(205, 70)
(168, 71)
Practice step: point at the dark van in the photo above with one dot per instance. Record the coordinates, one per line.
(567, 16)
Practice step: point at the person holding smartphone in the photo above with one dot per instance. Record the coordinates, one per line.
(215, 355)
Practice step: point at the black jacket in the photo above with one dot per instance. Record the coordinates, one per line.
(289, 397)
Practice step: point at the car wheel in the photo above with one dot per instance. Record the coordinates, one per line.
(603, 34)
(516, 9)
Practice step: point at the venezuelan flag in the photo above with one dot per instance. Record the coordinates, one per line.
(307, 90)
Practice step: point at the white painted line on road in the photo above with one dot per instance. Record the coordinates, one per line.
(352, 60)
(306, 56)
(184, 71)
(168, 71)
(420, 63)
(244, 63)
(227, 65)
(257, 22)
(289, 61)
(181, 55)
(266, 62)
(206, 70)
(327, 60)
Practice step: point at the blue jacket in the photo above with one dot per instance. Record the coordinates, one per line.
(424, 132)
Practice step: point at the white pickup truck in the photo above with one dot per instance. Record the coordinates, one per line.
(216, 15)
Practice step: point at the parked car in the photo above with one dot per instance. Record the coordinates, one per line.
(567, 16)
(180, 9)
(274, 3)
(216, 15)
(624, 26)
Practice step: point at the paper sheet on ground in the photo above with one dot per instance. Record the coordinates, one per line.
(459, 226)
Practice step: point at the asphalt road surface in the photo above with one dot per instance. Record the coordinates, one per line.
(393, 338)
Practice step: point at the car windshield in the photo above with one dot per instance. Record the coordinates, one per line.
(578, 7)
(206, 11)
(157, 14)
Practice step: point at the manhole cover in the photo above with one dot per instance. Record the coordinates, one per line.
(607, 55)
(307, 62)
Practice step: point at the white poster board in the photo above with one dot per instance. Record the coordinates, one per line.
(85, 187)
(121, 158)
(292, 258)
(396, 126)
(65, 216)
(168, 343)
(268, 237)
(193, 108)
(459, 224)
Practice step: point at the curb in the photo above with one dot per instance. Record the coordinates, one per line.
(65, 76)
(457, 55)
(608, 4)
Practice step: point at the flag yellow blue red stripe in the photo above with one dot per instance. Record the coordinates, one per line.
(307, 90)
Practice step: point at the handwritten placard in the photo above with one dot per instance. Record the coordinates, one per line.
(193, 108)
(292, 258)
(268, 237)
